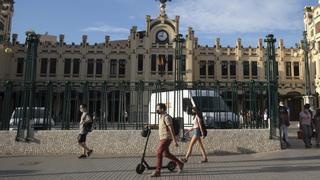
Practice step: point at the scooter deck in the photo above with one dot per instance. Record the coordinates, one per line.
(151, 167)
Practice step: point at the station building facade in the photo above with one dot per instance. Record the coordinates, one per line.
(149, 55)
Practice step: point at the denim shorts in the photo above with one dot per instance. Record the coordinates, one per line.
(197, 132)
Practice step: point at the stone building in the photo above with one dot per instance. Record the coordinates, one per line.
(149, 55)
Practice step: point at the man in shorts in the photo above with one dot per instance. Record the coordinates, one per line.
(85, 117)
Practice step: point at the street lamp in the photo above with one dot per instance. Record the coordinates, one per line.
(308, 98)
(179, 40)
(32, 41)
(272, 78)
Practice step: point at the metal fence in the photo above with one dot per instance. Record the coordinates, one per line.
(131, 105)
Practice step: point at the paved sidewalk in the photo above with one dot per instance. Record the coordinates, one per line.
(295, 163)
(288, 164)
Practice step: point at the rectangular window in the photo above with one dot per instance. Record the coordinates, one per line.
(170, 63)
(162, 63)
(246, 69)
(288, 69)
(99, 64)
(183, 65)
(140, 63)
(43, 67)
(276, 68)
(153, 63)
(20, 64)
(296, 72)
(202, 69)
(67, 67)
(233, 68)
(76, 67)
(211, 69)
(224, 68)
(53, 67)
(254, 68)
(90, 68)
(113, 68)
(317, 27)
(122, 67)
(266, 70)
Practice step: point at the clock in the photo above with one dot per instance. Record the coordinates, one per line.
(162, 36)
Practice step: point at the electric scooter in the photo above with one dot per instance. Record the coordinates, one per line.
(143, 164)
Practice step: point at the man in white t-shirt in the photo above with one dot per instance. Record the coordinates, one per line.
(166, 136)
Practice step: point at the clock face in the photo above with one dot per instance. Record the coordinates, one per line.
(162, 36)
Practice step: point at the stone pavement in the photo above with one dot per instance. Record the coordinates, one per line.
(295, 163)
(289, 164)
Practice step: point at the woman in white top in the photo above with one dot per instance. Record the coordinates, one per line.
(198, 132)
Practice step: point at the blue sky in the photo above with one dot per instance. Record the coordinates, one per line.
(227, 19)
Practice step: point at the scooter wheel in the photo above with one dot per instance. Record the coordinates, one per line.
(140, 168)
(171, 166)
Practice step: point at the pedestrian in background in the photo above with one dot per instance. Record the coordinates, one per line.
(265, 118)
(284, 124)
(305, 125)
(85, 118)
(316, 122)
(198, 134)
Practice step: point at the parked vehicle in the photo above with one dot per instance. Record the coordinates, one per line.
(40, 119)
(215, 111)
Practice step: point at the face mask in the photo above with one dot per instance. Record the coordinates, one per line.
(194, 113)
(158, 111)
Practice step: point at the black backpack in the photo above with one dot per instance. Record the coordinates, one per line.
(175, 125)
(88, 125)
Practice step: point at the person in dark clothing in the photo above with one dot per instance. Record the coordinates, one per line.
(284, 124)
(85, 117)
(305, 125)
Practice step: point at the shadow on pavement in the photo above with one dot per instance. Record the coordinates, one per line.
(281, 169)
(28, 173)
(16, 172)
(275, 159)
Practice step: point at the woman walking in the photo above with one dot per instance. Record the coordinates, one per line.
(316, 122)
(305, 125)
(199, 133)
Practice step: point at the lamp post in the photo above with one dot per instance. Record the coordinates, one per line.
(179, 40)
(272, 78)
(308, 98)
(29, 87)
(178, 79)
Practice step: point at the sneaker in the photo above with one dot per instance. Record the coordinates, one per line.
(184, 160)
(155, 174)
(180, 168)
(83, 156)
(89, 152)
(204, 161)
